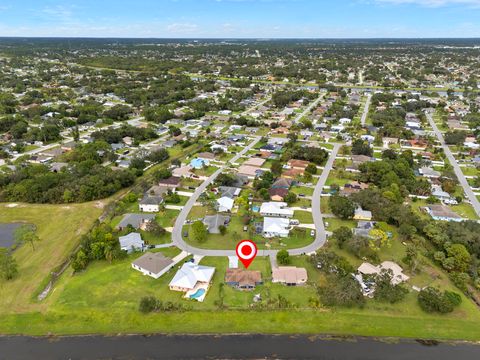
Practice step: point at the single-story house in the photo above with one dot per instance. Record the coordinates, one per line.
(224, 204)
(150, 203)
(212, 222)
(243, 279)
(258, 162)
(289, 275)
(172, 182)
(131, 242)
(275, 227)
(249, 171)
(183, 172)
(361, 214)
(277, 194)
(190, 275)
(229, 191)
(397, 272)
(443, 213)
(137, 221)
(429, 172)
(276, 209)
(153, 264)
(297, 164)
(282, 183)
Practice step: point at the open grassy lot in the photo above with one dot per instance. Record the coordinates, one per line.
(104, 299)
(304, 217)
(59, 228)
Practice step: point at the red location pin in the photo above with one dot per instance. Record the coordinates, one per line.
(246, 252)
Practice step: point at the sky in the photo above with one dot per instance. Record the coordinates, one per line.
(241, 18)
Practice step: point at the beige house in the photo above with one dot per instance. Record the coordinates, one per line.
(289, 275)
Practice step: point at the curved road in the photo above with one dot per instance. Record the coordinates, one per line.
(320, 235)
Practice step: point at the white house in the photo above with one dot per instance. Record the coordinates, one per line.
(190, 275)
(276, 209)
(150, 203)
(153, 264)
(345, 121)
(275, 227)
(224, 204)
(131, 242)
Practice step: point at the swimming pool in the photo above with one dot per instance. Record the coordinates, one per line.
(255, 208)
(197, 294)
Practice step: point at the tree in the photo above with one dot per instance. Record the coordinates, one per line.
(276, 168)
(378, 239)
(222, 229)
(26, 234)
(342, 235)
(8, 265)
(460, 257)
(341, 291)
(199, 231)
(80, 261)
(432, 299)
(386, 291)
(162, 173)
(361, 147)
(311, 169)
(290, 198)
(342, 207)
(154, 228)
(283, 257)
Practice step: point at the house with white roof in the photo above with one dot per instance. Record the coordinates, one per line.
(276, 227)
(193, 279)
(131, 242)
(224, 204)
(276, 209)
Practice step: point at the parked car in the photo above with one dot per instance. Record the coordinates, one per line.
(312, 233)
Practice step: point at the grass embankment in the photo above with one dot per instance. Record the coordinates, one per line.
(59, 228)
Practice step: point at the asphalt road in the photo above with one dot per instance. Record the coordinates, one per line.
(363, 120)
(308, 109)
(320, 235)
(461, 177)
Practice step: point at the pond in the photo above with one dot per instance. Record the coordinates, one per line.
(7, 232)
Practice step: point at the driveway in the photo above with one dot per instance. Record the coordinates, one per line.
(461, 178)
(363, 120)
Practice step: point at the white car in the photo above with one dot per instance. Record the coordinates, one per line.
(312, 233)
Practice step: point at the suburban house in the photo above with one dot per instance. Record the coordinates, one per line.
(293, 173)
(443, 196)
(289, 275)
(229, 191)
(192, 279)
(397, 272)
(249, 171)
(297, 164)
(363, 228)
(224, 204)
(243, 279)
(183, 172)
(150, 203)
(353, 187)
(429, 173)
(443, 213)
(137, 221)
(361, 214)
(131, 242)
(276, 227)
(277, 194)
(172, 182)
(258, 162)
(212, 222)
(153, 264)
(282, 183)
(276, 209)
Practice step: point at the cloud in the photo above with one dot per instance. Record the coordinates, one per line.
(433, 3)
(182, 28)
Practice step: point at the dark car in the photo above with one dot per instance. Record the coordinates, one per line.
(185, 234)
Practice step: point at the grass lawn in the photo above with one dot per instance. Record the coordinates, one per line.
(304, 217)
(308, 191)
(59, 228)
(104, 299)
